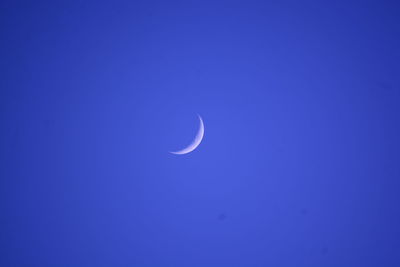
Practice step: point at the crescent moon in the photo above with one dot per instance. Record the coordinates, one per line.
(195, 143)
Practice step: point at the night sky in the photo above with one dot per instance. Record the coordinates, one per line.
(300, 161)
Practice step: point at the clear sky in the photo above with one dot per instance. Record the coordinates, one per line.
(300, 161)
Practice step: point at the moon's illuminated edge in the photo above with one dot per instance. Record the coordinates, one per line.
(196, 142)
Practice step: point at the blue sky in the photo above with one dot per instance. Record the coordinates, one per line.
(299, 165)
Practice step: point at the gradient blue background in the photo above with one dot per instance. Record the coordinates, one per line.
(299, 165)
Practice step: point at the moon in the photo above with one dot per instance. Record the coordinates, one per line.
(195, 143)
